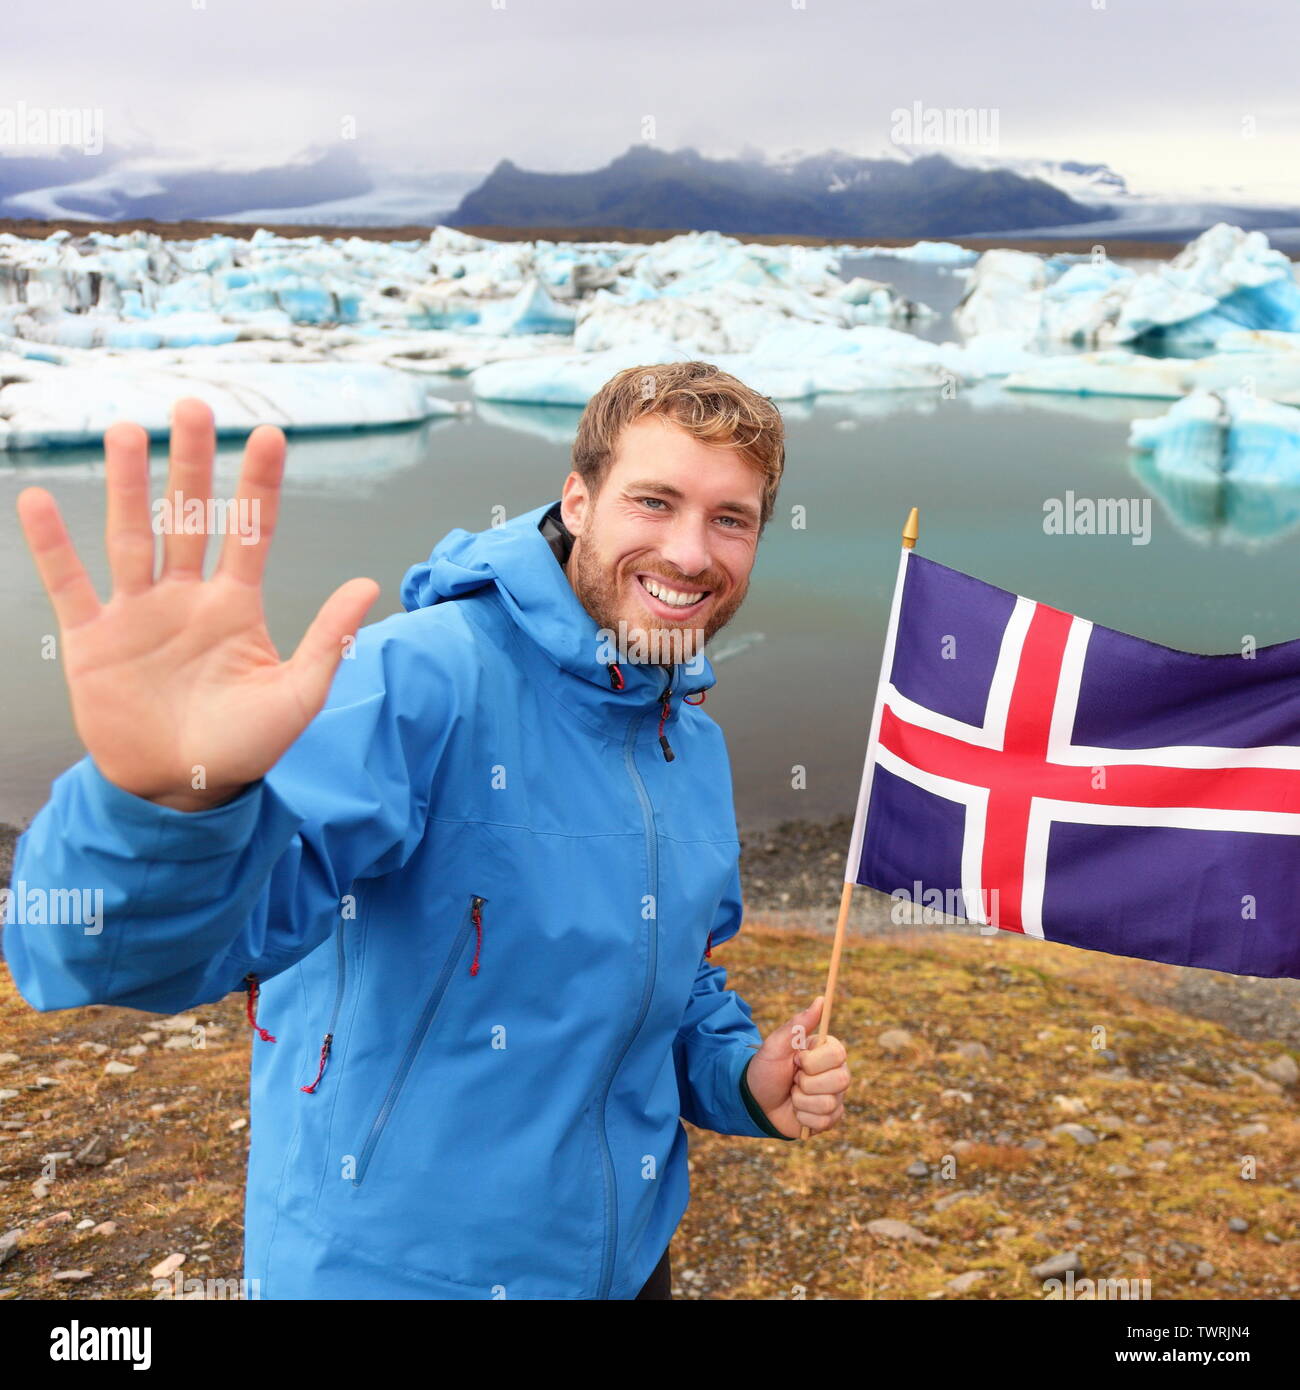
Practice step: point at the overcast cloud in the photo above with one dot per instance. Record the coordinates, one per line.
(1178, 95)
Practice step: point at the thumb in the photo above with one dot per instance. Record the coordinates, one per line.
(321, 649)
(799, 1032)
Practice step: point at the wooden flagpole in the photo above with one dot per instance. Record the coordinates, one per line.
(911, 529)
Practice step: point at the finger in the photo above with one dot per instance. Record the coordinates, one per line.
(189, 479)
(816, 1123)
(822, 1057)
(812, 1105)
(321, 648)
(825, 1083)
(57, 562)
(129, 540)
(256, 505)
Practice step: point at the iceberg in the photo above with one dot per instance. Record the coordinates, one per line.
(1223, 281)
(43, 405)
(1213, 434)
(1224, 465)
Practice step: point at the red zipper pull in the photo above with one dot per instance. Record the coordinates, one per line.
(320, 1070)
(251, 1009)
(708, 946)
(669, 755)
(478, 933)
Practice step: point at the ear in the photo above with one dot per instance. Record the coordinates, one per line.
(575, 502)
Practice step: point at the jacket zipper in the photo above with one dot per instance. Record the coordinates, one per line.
(472, 918)
(652, 966)
(328, 1043)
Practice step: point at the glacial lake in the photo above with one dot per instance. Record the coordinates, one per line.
(797, 686)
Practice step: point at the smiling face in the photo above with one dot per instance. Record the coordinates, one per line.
(667, 545)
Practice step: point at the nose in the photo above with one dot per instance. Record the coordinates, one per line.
(686, 547)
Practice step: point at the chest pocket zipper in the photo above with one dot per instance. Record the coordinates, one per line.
(471, 920)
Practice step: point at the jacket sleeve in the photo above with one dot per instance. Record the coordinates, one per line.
(716, 1039)
(190, 902)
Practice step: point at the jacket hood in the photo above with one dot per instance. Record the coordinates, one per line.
(517, 560)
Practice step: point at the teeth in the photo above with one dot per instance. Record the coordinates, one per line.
(671, 596)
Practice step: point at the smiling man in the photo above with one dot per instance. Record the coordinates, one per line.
(472, 877)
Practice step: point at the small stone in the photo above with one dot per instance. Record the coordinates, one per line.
(85, 1225)
(97, 1048)
(1237, 1225)
(182, 1023)
(963, 1283)
(1162, 1148)
(1070, 1105)
(1283, 1069)
(8, 1095)
(164, 1269)
(73, 1274)
(135, 1050)
(972, 1051)
(67, 1064)
(241, 1123)
(1121, 1170)
(116, 1068)
(889, 1229)
(895, 1041)
(7, 1059)
(1057, 1265)
(954, 1197)
(1005, 1232)
(1204, 1269)
(152, 1036)
(40, 1189)
(181, 1040)
(918, 1169)
(93, 1152)
(1081, 1134)
(57, 1218)
(1251, 1131)
(105, 1228)
(8, 1244)
(964, 1097)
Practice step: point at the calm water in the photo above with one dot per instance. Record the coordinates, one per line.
(800, 688)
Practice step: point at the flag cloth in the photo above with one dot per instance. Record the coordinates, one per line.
(1040, 773)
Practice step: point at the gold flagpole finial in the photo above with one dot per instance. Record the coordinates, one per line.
(911, 529)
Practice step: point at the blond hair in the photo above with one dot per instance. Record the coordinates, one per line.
(709, 403)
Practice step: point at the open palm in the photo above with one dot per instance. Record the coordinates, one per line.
(177, 690)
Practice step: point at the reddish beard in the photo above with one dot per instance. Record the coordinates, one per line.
(603, 591)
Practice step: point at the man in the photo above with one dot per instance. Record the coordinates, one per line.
(474, 899)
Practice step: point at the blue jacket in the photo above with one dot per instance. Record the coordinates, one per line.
(474, 906)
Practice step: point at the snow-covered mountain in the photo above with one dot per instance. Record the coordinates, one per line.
(924, 190)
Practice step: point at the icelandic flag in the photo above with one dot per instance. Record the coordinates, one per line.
(1036, 772)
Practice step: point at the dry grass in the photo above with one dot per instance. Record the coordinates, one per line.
(768, 1220)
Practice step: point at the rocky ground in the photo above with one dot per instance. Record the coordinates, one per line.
(1021, 1113)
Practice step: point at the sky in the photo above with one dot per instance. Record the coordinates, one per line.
(1179, 96)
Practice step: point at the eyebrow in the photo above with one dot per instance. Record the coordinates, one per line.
(668, 490)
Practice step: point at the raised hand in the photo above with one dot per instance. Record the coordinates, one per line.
(177, 691)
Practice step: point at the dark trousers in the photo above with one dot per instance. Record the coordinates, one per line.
(660, 1282)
